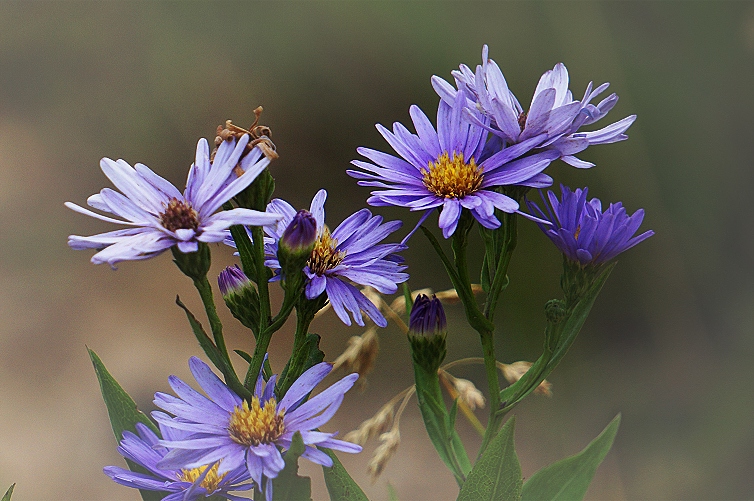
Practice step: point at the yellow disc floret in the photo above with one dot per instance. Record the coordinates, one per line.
(254, 424)
(454, 178)
(324, 255)
(211, 480)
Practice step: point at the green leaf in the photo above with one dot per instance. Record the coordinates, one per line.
(288, 486)
(8, 493)
(339, 483)
(497, 474)
(569, 478)
(123, 414)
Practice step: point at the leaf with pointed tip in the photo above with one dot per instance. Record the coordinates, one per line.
(123, 414)
(288, 486)
(569, 478)
(8, 493)
(497, 474)
(339, 483)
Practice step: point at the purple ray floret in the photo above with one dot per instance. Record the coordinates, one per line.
(180, 485)
(351, 253)
(553, 116)
(160, 216)
(583, 232)
(249, 435)
(452, 166)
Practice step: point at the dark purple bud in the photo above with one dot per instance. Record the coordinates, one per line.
(427, 316)
(232, 280)
(299, 237)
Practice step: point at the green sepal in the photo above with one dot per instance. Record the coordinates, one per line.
(562, 329)
(569, 478)
(123, 415)
(8, 493)
(427, 354)
(497, 474)
(231, 379)
(288, 486)
(339, 483)
(307, 355)
(194, 265)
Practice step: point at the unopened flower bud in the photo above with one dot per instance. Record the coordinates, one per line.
(427, 332)
(240, 296)
(232, 280)
(427, 316)
(296, 245)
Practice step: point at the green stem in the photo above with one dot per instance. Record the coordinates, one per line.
(205, 292)
(263, 275)
(260, 350)
(510, 240)
(298, 355)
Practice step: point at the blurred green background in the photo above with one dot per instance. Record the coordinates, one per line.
(670, 342)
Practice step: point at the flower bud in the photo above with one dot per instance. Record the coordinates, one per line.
(240, 296)
(427, 316)
(427, 332)
(296, 245)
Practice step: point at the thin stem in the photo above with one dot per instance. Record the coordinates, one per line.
(205, 292)
(257, 235)
(510, 240)
(260, 350)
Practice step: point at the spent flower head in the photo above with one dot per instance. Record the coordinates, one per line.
(160, 216)
(249, 434)
(179, 484)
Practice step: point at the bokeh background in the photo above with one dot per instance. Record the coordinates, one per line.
(670, 342)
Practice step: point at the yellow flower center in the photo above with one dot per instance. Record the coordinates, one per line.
(324, 256)
(452, 178)
(577, 232)
(253, 424)
(211, 480)
(179, 215)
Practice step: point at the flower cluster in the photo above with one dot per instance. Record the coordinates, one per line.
(477, 162)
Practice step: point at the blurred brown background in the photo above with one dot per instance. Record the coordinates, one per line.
(670, 343)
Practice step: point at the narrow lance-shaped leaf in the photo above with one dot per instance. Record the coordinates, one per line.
(497, 474)
(339, 483)
(8, 493)
(569, 478)
(123, 414)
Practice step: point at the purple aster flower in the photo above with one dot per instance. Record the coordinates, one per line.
(583, 232)
(452, 167)
(249, 434)
(351, 253)
(232, 280)
(181, 484)
(160, 216)
(554, 115)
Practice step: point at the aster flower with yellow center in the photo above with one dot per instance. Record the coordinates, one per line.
(179, 484)
(248, 435)
(452, 166)
(350, 254)
(160, 216)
